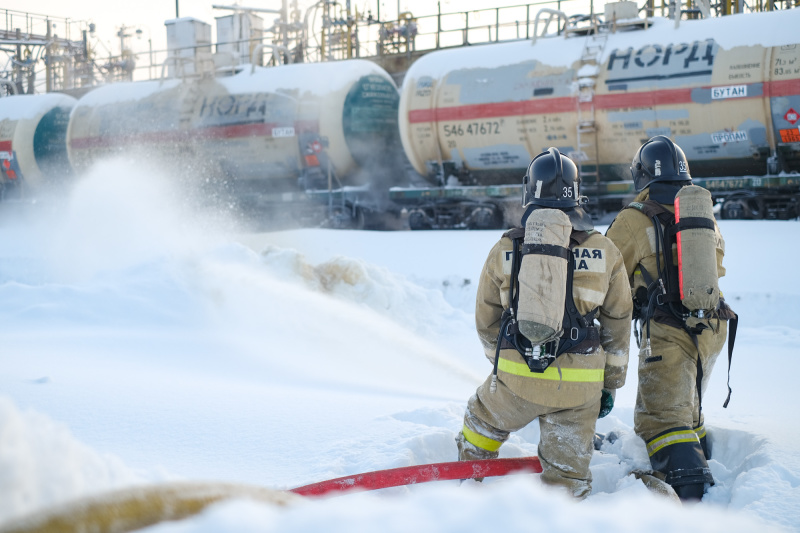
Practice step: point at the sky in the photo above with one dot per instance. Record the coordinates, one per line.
(148, 341)
(149, 15)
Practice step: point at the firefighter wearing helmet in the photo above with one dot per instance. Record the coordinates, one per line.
(550, 359)
(679, 316)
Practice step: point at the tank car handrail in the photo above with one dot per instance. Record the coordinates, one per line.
(9, 84)
(174, 59)
(552, 13)
(275, 49)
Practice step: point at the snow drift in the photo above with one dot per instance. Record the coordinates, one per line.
(144, 343)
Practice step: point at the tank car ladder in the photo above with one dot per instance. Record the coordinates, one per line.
(587, 149)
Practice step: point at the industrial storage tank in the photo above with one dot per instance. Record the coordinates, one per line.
(263, 130)
(726, 89)
(33, 150)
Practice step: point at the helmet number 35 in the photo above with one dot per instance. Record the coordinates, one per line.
(567, 192)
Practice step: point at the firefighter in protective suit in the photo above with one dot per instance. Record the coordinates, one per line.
(566, 397)
(675, 367)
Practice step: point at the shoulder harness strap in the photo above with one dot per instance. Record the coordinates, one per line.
(665, 283)
(666, 297)
(579, 332)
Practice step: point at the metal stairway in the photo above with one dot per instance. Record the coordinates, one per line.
(591, 60)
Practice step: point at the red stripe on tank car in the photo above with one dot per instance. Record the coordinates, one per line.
(567, 104)
(643, 99)
(500, 109)
(782, 88)
(236, 130)
(211, 132)
(5, 146)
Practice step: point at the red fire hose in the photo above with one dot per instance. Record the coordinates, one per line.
(409, 475)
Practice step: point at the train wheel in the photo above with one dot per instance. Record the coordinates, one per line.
(733, 209)
(485, 217)
(358, 221)
(741, 206)
(418, 220)
(345, 218)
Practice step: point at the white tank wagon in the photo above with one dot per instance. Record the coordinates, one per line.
(33, 151)
(278, 131)
(726, 89)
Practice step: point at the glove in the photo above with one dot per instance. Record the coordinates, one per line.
(607, 402)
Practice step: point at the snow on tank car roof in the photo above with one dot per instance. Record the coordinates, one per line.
(30, 106)
(329, 76)
(125, 91)
(775, 28)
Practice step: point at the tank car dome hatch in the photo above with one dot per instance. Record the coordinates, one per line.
(33, 149)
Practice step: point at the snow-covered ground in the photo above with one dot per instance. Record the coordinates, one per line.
(142, 343)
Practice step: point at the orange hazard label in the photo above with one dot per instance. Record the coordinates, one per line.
(790, 135)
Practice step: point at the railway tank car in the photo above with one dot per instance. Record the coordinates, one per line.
(33, 152)
(726, 89)
(268, 136)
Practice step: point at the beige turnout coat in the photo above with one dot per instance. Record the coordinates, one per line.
(600, 281)
(667, 396)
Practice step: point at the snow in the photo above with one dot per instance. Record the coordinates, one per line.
(146, 340)
(768, 28)
(774, 28)
(125, 92)
(303, 77)
(32, 106)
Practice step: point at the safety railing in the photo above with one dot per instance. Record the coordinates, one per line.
(412, 33)
(334, 34)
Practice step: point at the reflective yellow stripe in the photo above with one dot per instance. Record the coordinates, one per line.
(675, 437)
(700, 431)
(582, 375)
(480, 441)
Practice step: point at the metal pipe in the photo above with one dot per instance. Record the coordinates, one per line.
(7, 83)
(18, 67)
(242, 8)
(438, 23)
(275, 49)
(177, 60)
(349, 32)
(48, 77)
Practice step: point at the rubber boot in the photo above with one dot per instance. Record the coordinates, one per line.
(690, 493)
(469, 452)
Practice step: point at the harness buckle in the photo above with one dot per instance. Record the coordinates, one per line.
(573, 334)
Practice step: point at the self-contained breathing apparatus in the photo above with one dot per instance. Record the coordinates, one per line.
(542, 321)
(684, 291)
(578, 333)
